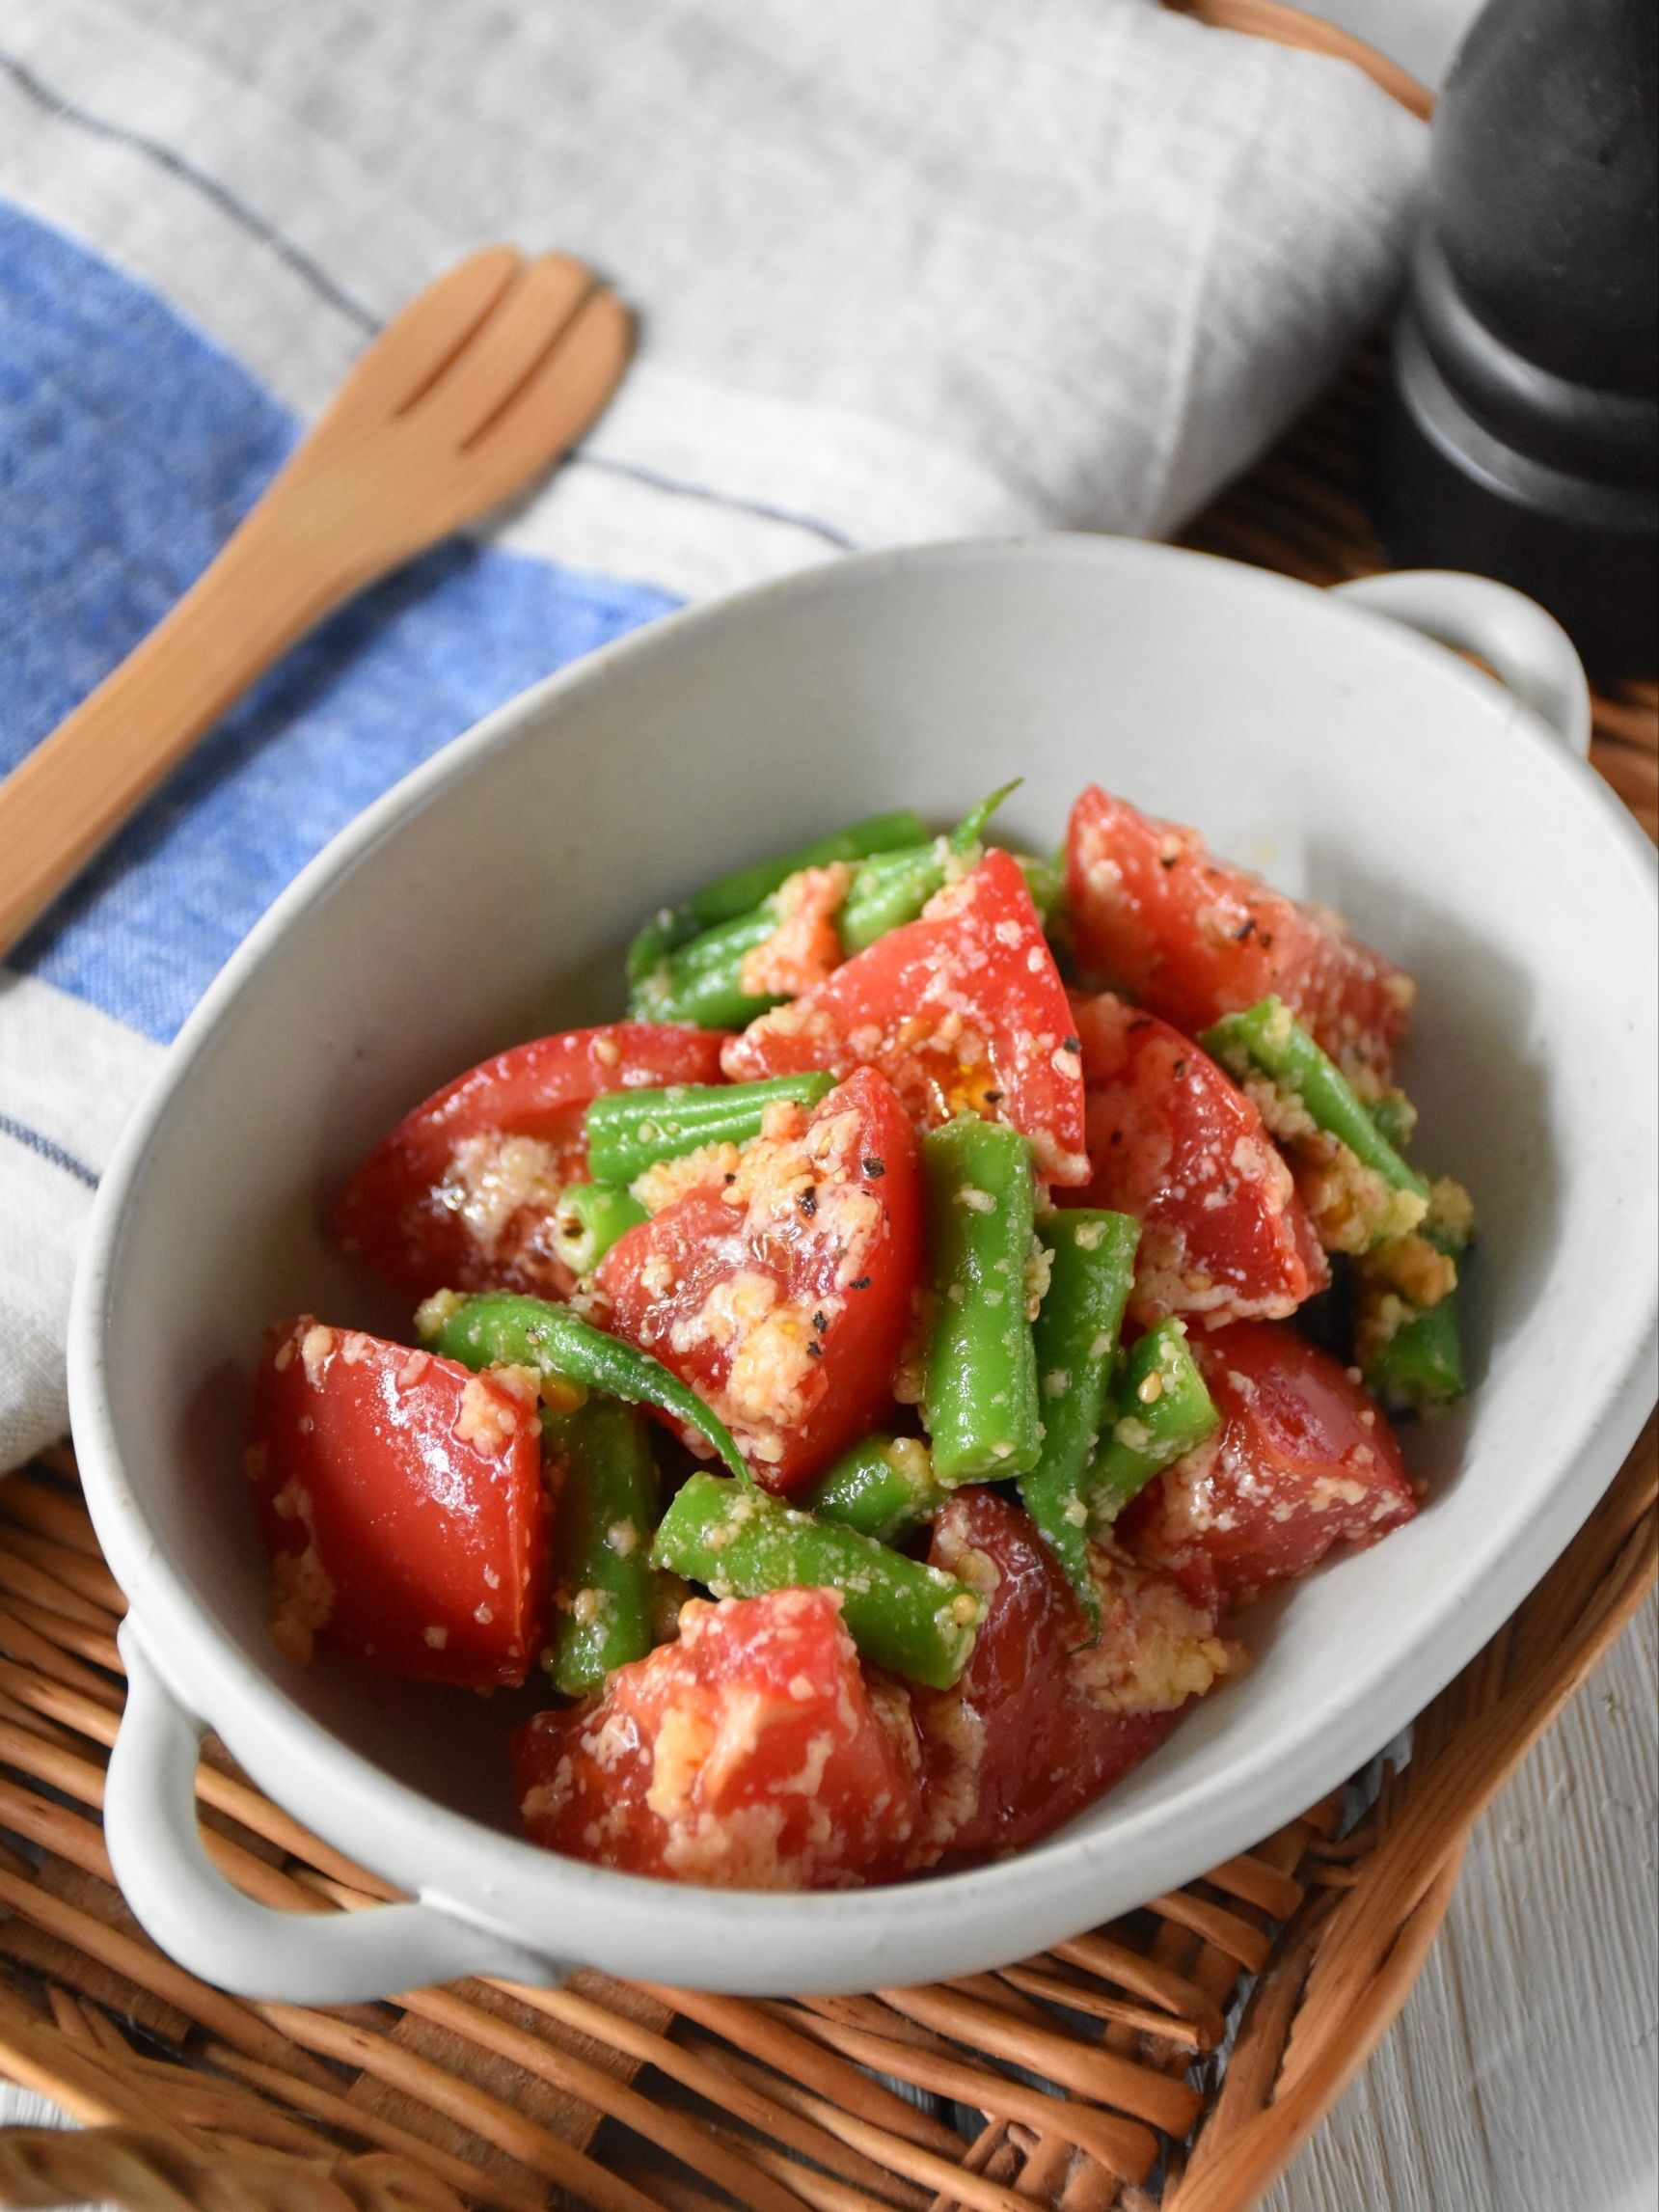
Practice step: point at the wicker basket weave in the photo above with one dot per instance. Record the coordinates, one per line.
(1116, 2071)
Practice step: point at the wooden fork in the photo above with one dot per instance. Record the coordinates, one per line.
(479, 384)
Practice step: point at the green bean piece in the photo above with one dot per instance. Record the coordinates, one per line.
(1420, 1367)
(700, 982)
(977, 819)
(669, 928)
(1159, 1411)
(587, 1221)
(886, 893)
(1046, 880)
(498, 1329)
(1411, 1355)
(892, 888)
(1418, 1364)
(1268, 1036)
(1394, 1117)
(1091, 1262)
(979, 1391)
(745, 889)
(630, 1130)
(685, 965)
(605, 1598)
(915, 1620)
(884, 1488)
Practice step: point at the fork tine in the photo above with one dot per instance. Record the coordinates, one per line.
(508, 349)
(558, 403)
(417, 344)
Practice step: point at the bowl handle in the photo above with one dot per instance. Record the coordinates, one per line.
(212, 1929)
(1527, 649)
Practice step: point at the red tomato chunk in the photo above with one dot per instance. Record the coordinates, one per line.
(1042, 1722)
(1193, 938)
(461, 1194)
(779, 1289)
(401, 1498)
(1174, 1142)
(752, 1753)
(962, 1010)
(1303, 1459)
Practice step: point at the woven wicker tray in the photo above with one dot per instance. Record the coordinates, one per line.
(1176, 2057)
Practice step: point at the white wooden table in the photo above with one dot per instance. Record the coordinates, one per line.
(1521, 2075)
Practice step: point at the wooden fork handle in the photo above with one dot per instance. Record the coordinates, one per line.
(76, 788)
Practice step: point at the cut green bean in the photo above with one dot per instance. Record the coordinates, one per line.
(892, 888)
(657, 980)
(1046, 880)
(1394, 1118)
(587, 1221)
(1409, 1339)
(701, 983)
(668, 929)
(744, 890)
(1269, 1037)
(886, 893)
(1159, 1411)
(1411, 1355)
(977, 819)
(1419, 1368)
(915, 1620)
(630, 1130)
(685, 965)
(979, 1394)
(498, 1328)
(1091, 1271)
(884, 1488)
(604, 1599)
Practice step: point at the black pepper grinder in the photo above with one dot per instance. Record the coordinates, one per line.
(1520, 432)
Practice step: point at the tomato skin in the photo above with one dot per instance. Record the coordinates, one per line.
(695, 1764)
(1177, 1144)
(1193, 938)
(782, 1296)
(960, 1010)
(1304, 1460)
(1041, 1723)
(460, 1195)
(413, 1489)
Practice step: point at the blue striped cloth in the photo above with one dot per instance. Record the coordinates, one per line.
(130, 446)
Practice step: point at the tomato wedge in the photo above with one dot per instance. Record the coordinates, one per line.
(1193, 938)
(1042, 1720)
(461, 1194)
(751, 1755)
(1174, 1142)
(780, 1290)
(401, 1498)
(1303, 1459)
(962, 1010)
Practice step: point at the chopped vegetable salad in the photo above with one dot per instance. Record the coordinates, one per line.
(861, 1385)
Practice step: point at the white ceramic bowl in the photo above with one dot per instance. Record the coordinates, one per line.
(483, 901)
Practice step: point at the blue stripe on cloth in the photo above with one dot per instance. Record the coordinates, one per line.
(32, 1140)
(129, 447)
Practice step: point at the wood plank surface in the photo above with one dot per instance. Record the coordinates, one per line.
(1521, 2075)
